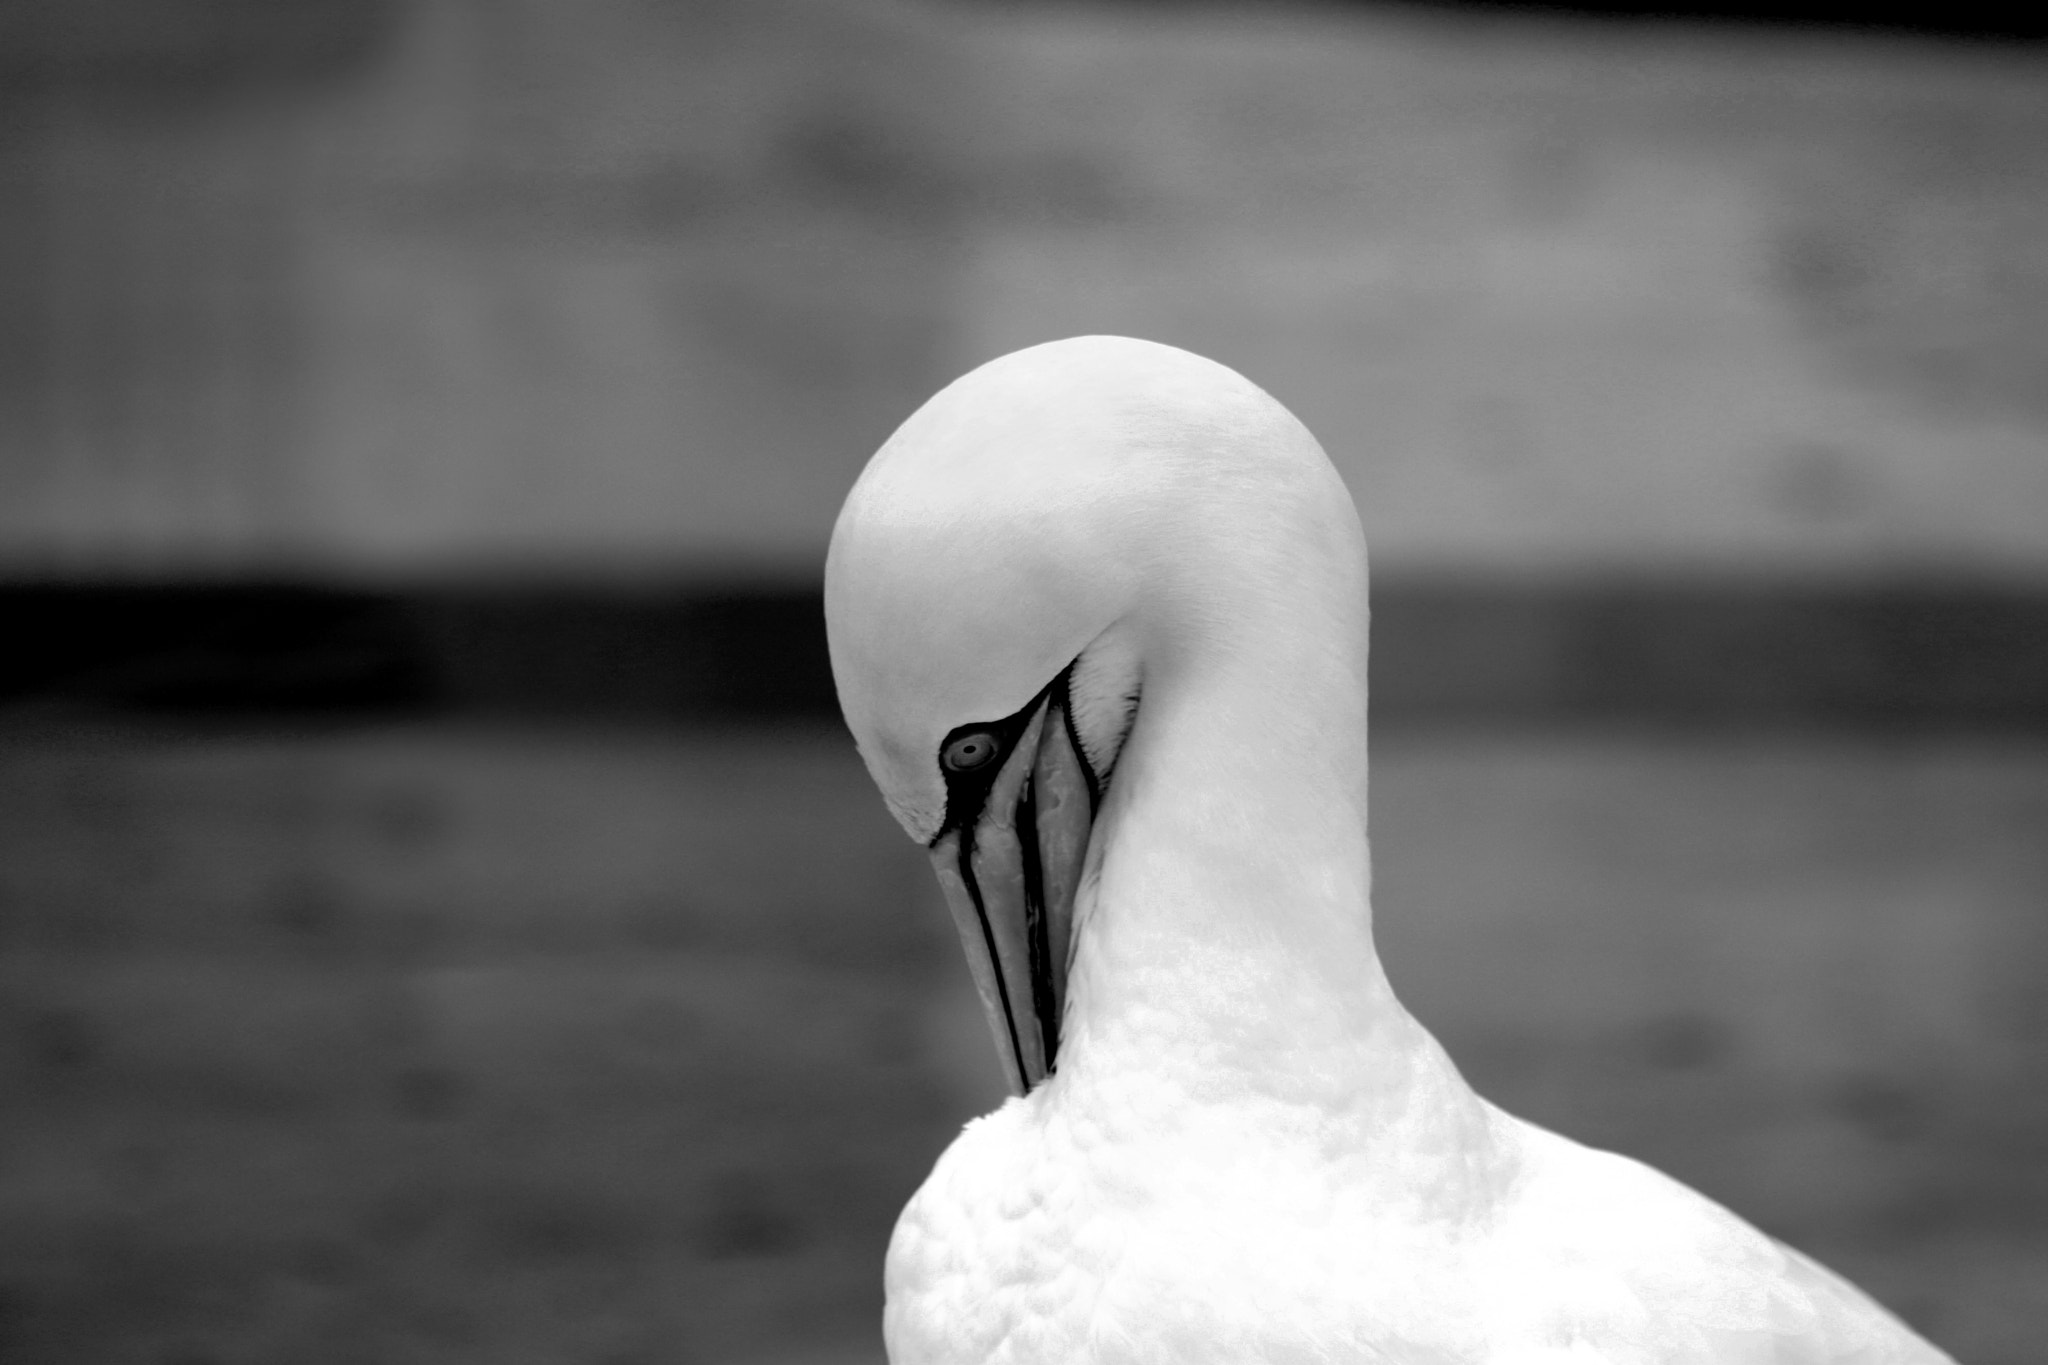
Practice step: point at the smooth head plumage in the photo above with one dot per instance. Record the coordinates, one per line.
(1054, 494)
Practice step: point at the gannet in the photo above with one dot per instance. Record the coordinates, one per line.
(1097, 616)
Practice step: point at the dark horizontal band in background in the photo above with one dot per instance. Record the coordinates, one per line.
(1474, 651)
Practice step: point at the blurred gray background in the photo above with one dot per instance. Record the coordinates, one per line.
(441, 919)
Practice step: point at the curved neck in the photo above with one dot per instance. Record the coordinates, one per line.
(1224, 989)
(1224, 941)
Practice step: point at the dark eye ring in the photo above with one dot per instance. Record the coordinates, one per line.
(975, 749)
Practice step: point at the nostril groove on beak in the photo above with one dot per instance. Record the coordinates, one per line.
(1037, 932)
(995, 957)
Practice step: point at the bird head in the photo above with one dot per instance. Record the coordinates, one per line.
(1032, 544)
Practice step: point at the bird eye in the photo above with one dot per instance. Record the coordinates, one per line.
(969, 752)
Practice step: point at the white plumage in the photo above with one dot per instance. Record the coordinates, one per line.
(1247, 1150)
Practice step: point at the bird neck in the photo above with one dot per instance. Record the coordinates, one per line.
(1224, 951)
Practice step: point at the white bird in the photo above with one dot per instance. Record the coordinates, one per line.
(1097, 615)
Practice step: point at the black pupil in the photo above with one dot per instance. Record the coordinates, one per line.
(970, 751)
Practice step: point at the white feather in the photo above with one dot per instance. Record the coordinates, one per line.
(1250, 1152)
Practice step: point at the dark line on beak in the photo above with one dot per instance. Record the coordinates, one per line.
(988, 939)
(965, 798)
(1035, 926)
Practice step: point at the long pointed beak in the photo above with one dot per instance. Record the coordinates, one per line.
(1010, 877)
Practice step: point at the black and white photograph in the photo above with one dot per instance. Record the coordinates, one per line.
(1023, 682)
